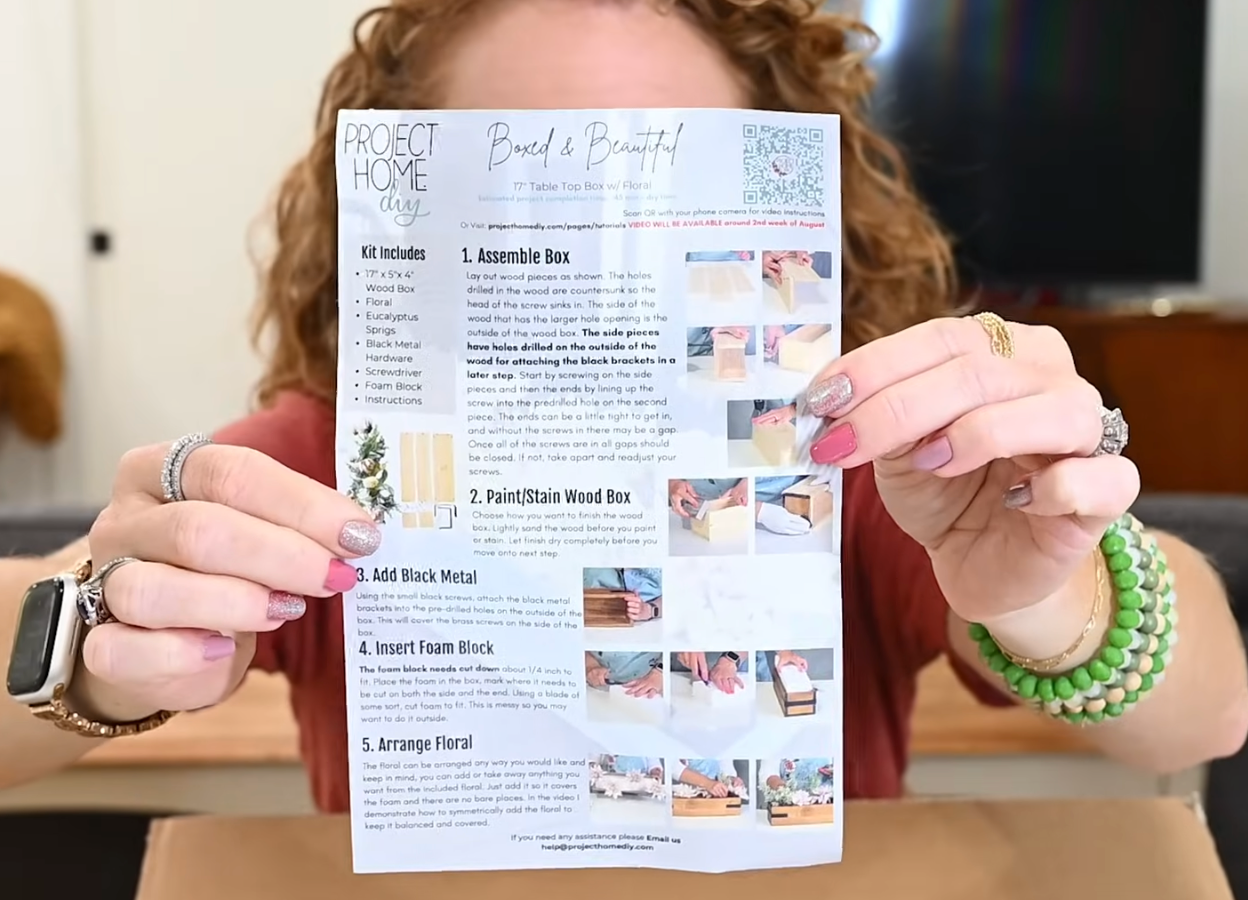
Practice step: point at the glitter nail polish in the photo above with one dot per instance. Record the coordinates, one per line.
(284, 607)
(360, 538)
(829, 396)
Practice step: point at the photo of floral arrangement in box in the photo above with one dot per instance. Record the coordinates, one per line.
(797, 791)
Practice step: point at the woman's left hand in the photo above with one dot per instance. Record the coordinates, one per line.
(638, 610)
(983, 456)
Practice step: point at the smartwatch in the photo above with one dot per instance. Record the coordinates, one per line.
(49, 633)
(734, 656)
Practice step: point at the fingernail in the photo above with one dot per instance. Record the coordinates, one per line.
(284, 607)
(835, 445)
(218, 646)
(341, 577)
(932, 456)
(360, 538)
(829, 396)
(1018, 496)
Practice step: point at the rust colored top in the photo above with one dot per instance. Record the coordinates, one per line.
(894, 624)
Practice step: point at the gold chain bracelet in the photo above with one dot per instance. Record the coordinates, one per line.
(1054, 663)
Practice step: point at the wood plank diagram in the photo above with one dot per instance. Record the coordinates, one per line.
(720, 281)
(427, 480)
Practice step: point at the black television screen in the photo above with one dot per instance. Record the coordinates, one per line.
(1059, 141)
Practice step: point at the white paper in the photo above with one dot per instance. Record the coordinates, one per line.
(527, 384)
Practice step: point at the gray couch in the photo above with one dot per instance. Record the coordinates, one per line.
(1217, 525)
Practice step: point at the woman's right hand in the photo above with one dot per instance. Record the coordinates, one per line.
(251, 541)
(596, 675)
(695, 662)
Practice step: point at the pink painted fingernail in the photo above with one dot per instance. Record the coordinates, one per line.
(835, 445)
(341, 577)
(933, 455)
(217, 647)
(829, 396)
(360, 537)
(284, 607)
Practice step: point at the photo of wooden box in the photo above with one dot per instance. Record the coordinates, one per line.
(813, 502)
(706, 806)
(729, 358)
(792, 276)
(724, 520)
(817, 814)
(796, 695)
(807, 349)
(606, 608)
(776, 443)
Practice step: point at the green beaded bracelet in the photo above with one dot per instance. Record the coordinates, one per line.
(1137, 647)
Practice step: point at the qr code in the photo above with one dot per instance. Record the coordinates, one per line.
(783, 166)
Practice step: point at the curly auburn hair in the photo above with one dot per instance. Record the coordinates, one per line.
(896, 262)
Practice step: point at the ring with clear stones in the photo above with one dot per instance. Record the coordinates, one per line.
(175, 460)
(1114, 433)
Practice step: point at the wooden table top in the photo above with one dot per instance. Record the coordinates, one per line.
(255, 727)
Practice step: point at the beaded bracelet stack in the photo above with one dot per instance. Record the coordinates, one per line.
(1135, 651)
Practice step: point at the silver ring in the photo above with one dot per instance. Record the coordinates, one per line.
(175, 460)
(92, 608)
(1114, 433)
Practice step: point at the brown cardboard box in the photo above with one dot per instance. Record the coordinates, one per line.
(1109, 849)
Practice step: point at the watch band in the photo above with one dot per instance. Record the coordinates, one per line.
(82, 570)
(64, 718)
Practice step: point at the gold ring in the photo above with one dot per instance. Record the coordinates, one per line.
(999, 334)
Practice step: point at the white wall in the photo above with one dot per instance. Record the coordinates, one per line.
(1225, 263)
(186, 113)
(42, 233)
(194, 110)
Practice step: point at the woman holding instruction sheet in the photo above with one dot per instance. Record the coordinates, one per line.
(984, 499)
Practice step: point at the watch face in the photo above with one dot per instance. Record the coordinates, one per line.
(35, 640)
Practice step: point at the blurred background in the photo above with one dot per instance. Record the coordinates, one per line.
(1087, 156)
(1081, 153)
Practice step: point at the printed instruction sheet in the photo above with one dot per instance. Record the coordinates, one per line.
(604, 627)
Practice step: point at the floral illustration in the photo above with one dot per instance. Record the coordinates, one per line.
(370, 484)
